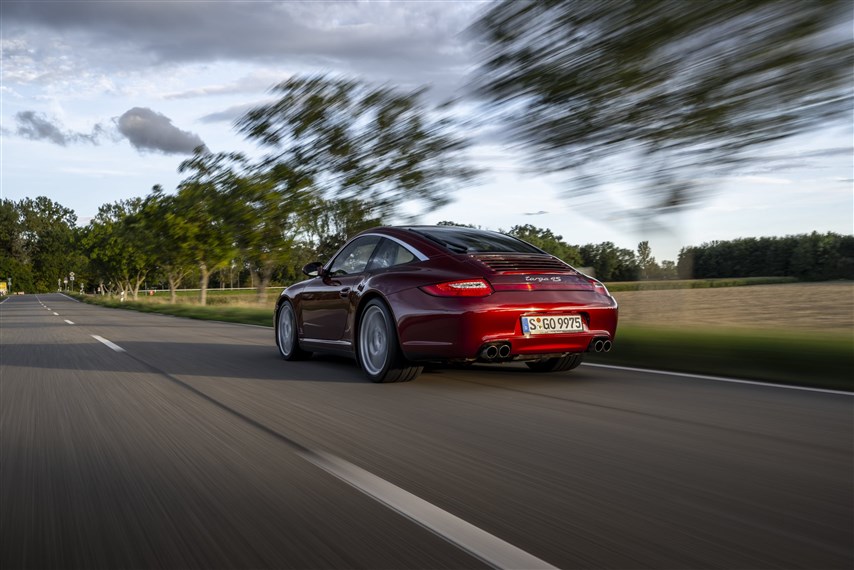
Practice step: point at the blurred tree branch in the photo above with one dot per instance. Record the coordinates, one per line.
(665, 95)
(353, 141)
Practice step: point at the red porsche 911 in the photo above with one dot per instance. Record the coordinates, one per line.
(396, 298)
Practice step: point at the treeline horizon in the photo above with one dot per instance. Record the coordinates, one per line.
(123, 248)
(807, 257)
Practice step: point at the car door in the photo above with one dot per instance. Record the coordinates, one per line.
(326, 302)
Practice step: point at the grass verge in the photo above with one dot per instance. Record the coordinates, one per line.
(804, 359)
(228, 313)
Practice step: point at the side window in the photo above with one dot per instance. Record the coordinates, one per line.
(354, 258)
(390, 253)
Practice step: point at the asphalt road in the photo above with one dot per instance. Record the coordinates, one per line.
(189, 444)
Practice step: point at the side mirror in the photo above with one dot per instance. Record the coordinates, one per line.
(313, 269)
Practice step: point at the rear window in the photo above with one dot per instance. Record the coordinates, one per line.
(468, 240)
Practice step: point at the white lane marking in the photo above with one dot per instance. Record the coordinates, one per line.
(720, 379)
(55, 313)
(114, 346)
(69, 298)
(479, 543)
(69, 322)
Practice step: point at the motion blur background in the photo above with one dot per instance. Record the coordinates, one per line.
(172, 146)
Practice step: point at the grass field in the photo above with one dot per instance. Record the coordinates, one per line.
(215, 296)
(798, 307)
(799, 333)
(620, 286)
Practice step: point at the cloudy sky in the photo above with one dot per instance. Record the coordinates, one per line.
(100, 101)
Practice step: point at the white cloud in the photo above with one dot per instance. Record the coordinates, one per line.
(259, 81)
(97, 172)
(759, 180)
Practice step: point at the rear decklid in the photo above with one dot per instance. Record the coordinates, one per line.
(530, 272)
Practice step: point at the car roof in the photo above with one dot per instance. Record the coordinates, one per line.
(434, 240)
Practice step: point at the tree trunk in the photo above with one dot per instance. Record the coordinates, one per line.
(124, 287)
(204, 275)
(264, 276)
(137, 284)
(173, 288)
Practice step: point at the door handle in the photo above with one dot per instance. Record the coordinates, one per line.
(344, 292)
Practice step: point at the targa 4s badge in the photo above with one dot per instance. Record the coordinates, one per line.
(554, 279)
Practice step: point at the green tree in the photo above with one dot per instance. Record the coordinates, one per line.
(812, 257)
(11, 229)
(204, 201)
(647, 266)
(265, 215)
(170, 234)
(328, 224)
(668, 270)
(353, 141)
(120, 250)
(548, 241)
(662, 93)
(13, 263)
(48, 241)
(685, 262)
(609, 262)
(817, 257)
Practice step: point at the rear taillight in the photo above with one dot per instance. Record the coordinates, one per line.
(466, 288)
(599, 288)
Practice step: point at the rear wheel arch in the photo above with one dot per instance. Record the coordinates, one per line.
(396, 368)
(360, 309)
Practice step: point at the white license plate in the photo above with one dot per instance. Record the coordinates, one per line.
(552, 324)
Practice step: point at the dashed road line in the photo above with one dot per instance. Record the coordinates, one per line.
(69, 322)
(112, 345)
(55, 313)
(484, 546)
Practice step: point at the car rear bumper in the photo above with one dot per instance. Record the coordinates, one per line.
(440, 328)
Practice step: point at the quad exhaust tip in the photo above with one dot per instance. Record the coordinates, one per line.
(495, 351)
(600, 345)
(490, 352)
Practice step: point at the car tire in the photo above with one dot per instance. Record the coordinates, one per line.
(558, 364)
(377, 348)
(287, 335)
